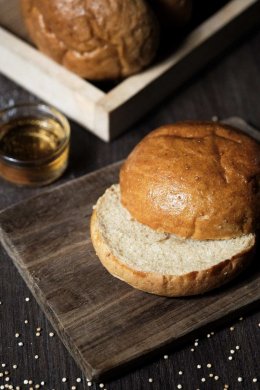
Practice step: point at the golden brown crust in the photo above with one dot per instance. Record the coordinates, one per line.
(194, 179)
(192, 283)
(97, 39)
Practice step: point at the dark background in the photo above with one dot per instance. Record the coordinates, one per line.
(228, 87)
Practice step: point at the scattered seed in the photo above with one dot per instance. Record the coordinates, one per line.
(1, 374)
(212, 333)
(241, 319)
(89, 383)
(214, 118)
(26, 382)
(27, 299)
(101, 385)
(150, 380)
(36, 357)
(180, 372)
(20, 344)
(239, 379)
(179, 386)
(198, 366)
(196, 344)
(211, 375)
(78, 380)
(230, 358)
(208, 335)
(209, 365)
(3, 364)
(64, 380)
(30, 382)
(51, 334)
(37, 334)
(38, 329)
(26, 321)
(216, 377)
(165, 357)
(73, 387)
(254, 380)
(232, 328)
(7, 379)
(15, 366)
(232, 351)
(42, 383)
(37, 386)
(237, 347)
(203, 379)
(192, 349)
(17, 335)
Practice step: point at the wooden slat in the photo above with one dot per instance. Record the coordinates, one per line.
(52, 82)
(135, 96)
(107, 115)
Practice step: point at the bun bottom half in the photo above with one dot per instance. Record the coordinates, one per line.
(160, 263)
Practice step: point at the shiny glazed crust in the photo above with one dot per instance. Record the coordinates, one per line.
(97, 39)
(193, 283)
(197, 180)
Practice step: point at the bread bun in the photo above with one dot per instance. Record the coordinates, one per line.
(161, 263)
(194, 179)
(97, 39)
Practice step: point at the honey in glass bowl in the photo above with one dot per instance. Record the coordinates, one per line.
(34, 144)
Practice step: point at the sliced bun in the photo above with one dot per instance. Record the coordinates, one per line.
(97, 39)
(160, 263)
(197, 180)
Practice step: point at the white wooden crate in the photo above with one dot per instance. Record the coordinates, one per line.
(109, 114)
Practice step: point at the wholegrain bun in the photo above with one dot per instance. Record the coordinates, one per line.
(197, 180)
(160, 263)
(97, 39)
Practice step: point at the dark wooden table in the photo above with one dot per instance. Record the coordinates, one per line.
(230, 86)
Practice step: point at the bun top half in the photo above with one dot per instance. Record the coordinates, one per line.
(197, 180)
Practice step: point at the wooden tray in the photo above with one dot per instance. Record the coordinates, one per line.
(103, 322)
(108, 114)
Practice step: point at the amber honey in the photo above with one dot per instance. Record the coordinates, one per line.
(34, 147)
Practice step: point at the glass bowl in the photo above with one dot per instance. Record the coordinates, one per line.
(34, 144)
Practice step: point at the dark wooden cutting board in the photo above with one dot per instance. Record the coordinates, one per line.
(103, 322)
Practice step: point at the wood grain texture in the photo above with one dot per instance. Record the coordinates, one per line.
(227, 87)
(108, 114)
(103, 322)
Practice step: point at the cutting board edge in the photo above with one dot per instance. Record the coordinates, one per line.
(88, 369)
(61, 186)
(36, 292)
(156, 351)
(94, 373)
